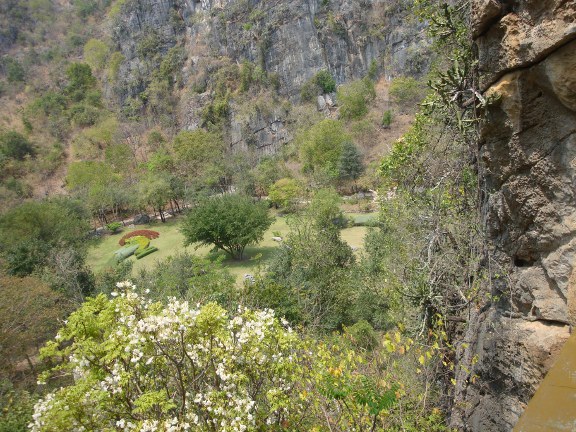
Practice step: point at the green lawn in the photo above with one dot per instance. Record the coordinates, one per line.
(171, 241)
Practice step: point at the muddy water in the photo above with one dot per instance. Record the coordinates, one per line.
(553, 407)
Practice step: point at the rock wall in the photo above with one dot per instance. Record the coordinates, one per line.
(527, 152)
(291, 39)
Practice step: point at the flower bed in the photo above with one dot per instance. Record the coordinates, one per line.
(149, 234)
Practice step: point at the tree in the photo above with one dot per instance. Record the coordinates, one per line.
(322, 146)
(96, 53)
(284, 192)
(138, 365)
(199, 157)
(350, 162)
(229, 222)
(29, 314)
(29, 232)
(80, 80)
(313, 265)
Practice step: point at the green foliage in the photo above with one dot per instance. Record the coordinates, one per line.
(17, 408)
(284, 193)
(240, 222)
(350, 167)
(141, 241)
(96, 53)
(386, 119)
(321, 147)
(322, 82)
(114, 227)
(199, 156)
(362, 335)
(15, 145)
(325, 81)
(145, 252)
(354, 98)
(406, 92)
(13, 69)
(312, 267)
(192, 278)
(80, 81)
(30, 231)
(114, 62)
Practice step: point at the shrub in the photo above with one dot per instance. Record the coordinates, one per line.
(284, 193)
(146, 252)
(387, 119)
(407, 92)
(325, 81)
(114, 226)
(149, 234)
(142, 242)
(15, 145)
(354, 98)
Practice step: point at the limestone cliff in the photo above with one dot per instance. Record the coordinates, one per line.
(290, 40)
(527, 152)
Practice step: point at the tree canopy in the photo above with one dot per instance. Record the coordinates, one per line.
(229, 222)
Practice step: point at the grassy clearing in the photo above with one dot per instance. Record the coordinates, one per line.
(171, 242)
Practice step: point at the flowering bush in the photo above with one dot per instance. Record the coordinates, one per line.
(149, 234)
(143, 366)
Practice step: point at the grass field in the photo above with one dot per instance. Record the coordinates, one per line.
(171, 242)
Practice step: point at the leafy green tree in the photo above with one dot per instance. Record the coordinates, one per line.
(29, 232)
(80, 81)
(313, 265)
(351, 166)
(321, 147)
(284, 193)
(229, 222)
(15, 145)
(174, 367)
(199, 157)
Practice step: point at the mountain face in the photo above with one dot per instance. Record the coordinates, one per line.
(527, 148)
(287, 42)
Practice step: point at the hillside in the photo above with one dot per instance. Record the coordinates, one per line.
(324, 215)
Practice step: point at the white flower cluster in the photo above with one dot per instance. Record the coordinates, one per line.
(201, 370)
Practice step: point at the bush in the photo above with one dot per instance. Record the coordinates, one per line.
(284, 193)
(386, 119)
(407, 92)
(149, 234)
(15, 145)
(142, 242)
(146, 252)
(362, 335)
(114, 227)
(325, 81)
(354, 98)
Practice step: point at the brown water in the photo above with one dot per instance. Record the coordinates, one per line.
(553, 407)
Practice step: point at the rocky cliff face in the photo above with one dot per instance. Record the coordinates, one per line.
(527, 148)
(290, 40)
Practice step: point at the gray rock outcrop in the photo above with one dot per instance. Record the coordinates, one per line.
(527, 151)
(289, 40)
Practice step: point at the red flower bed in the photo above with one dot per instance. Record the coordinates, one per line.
(146, 233)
